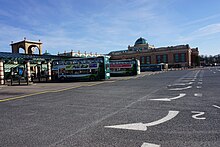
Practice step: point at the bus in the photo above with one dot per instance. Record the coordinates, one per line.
(94, 68)
(153, 67)
(124, 67)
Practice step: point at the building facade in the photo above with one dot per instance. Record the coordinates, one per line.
(79, 54)
(174, 56)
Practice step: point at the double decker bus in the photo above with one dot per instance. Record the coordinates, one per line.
(95, 68)
(124, 67)
(154, 67)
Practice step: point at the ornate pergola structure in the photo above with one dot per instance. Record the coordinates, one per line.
(29, 47)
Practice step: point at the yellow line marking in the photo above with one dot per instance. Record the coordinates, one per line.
(94, 84)
(109, 81)
(19, 97)
(48, 91)
(41, 92)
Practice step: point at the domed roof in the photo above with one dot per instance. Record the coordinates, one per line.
(140, 41)
(46, 53)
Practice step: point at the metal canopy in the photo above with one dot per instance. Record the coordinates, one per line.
(6, 55)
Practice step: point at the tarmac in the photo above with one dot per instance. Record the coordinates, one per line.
(8, 92)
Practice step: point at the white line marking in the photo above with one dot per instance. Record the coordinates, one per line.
(214, 72)
(143, 127)
(198, 114)
(190, 80)
(181, 84)
(169, 99)
(149, 145)
(198, 94)
(181, 88)
(162, 99)
(216, 106)
(198, 87)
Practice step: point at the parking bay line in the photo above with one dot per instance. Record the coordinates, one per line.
(149, 145)
(181, 84)
(188, 87)
(198, 94)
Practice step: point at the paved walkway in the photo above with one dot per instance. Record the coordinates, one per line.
(16, 92)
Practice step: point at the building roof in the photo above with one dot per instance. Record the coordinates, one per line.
(140, 41)
(7, 55)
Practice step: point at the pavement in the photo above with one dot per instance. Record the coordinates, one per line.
(10, 92)
(170, 109)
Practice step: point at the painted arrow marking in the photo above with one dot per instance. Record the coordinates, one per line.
(169, 99)
(181, 88)
(143, 127)
(216, 106)
(149, 145)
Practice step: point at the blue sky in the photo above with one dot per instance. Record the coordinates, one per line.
(108, 25)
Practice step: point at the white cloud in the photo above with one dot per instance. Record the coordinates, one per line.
(208, 30)
(102, 27)
(203, 32)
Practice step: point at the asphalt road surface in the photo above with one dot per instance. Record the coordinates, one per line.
(170, 109)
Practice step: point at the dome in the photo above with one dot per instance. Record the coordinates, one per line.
(46, 53)
(140, 41)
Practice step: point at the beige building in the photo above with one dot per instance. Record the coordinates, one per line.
(79, 54)
(174, 56)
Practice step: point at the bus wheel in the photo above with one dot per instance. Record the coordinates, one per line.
(62, 79)
(92, 78)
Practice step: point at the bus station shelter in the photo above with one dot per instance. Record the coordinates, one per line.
(26, 66)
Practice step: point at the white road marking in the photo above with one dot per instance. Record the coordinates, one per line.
(192, 80)
(198, 94)
(169, 99)
(162, 99)
(200, 83)
(216, 106)
(214, 72)
(195, 116)
(181, 84)
(188, 87)
(150, 145)
(198, 87)
(143, 127)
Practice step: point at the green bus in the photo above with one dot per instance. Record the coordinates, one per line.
(124, 67)
(94, 68)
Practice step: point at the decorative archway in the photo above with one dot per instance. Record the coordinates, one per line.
(21, 47)
(33, 48)
(28, 46)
